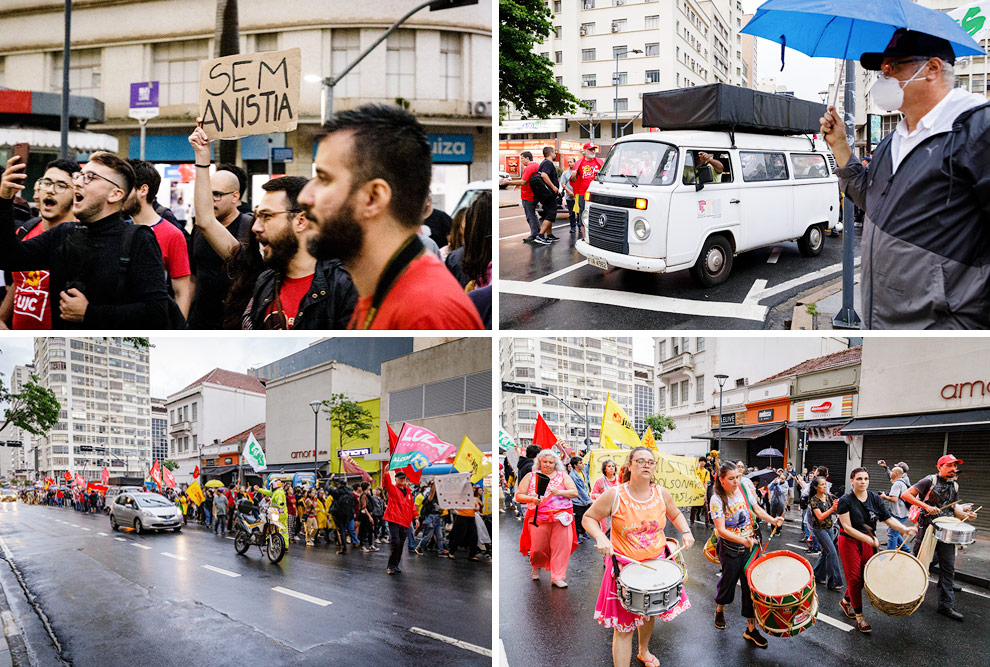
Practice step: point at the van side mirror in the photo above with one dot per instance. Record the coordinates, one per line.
(702, 176)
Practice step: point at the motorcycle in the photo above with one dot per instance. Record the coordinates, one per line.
(263, 532)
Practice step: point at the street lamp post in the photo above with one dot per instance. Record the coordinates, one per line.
(619, 54)
(721, 383)
(587, 436)
(315, 405)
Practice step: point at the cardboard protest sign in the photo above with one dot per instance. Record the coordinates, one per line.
(454, 492)
(250, 93)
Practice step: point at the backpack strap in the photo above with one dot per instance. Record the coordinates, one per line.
(25, 228)
(126, 243)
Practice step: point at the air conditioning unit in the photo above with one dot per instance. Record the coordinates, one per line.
(585, 84)
(583, 31)
(615, 28)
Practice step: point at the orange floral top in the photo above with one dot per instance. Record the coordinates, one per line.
(637, 527)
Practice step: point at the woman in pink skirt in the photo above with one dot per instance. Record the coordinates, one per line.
(639, 511)
(550, 543)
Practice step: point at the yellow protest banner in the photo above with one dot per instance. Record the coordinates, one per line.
(649, 440)
(617, 425)
(593, 461)
(195, 493)
(675, 473)
(471, 459)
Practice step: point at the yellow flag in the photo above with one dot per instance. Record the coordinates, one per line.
(617, 425)
(195, 493)
(471, 459)
(607, 442)
(650, 441)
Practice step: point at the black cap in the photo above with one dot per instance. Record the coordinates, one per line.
(907, 43)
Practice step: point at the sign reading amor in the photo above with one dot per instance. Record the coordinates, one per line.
(249, 93)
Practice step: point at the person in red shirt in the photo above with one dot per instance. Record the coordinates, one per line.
(398, 515)
(27, 306)
(526, 196)
(365, 206)
(175, 252)
(583, 173)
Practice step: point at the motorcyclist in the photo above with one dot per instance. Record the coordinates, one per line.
(279, 502)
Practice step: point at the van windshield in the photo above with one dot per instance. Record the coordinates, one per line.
(640, 163)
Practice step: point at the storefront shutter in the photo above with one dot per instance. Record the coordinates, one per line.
(919, 451)
(832, 455)
(974, 473)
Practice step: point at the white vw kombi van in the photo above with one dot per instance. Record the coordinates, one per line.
(685, 199)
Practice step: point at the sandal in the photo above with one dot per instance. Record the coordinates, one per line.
(655, 662)
(559, 583)
(536, 575)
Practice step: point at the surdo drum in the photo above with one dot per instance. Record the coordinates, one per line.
(895, 582)
(782, 585)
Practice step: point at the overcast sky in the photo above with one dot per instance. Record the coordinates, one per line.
(175, 362)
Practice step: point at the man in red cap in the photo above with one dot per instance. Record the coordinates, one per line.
(932, 494)
(583, 173)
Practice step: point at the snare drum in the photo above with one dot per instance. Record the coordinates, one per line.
(951, 530)
(782, 585)
(895, 582)
(650, 592)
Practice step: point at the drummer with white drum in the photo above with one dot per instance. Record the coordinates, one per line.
(938, 496)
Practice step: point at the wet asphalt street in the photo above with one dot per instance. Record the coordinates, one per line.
(543, 626)
(553, 287)
(189, 599)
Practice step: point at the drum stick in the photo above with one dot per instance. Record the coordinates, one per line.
(940, 509)
(630, 560)
(675, 552)
(973, 511)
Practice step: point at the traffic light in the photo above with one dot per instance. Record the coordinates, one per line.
(514, 387)
(450, 4)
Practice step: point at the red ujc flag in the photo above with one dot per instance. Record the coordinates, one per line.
(156, 474)
(105, 477)
(168, 478)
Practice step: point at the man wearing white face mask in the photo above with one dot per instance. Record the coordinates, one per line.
(926, 239)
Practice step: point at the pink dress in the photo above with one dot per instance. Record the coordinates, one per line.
(551, 542)
(637, 533)
(601, 485)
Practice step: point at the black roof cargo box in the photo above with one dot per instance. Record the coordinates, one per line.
(719, 106)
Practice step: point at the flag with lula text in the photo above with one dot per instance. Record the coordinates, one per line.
(473, 460)
(413, 475)
(418, 447)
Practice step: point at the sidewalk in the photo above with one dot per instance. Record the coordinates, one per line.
(816, 310)
(972, 560)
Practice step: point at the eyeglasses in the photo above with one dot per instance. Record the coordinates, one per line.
(87, 177)
(218, 195)
(49, 184)
(887, 69)
(645, 463)
(265, 216)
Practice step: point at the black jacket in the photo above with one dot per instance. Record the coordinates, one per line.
(210, 273)
(87, 257)
(327, 305)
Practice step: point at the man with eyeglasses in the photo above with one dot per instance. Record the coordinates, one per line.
(26, 305)
(215, 199)
(296, 291)
(926, 193)
(105, 272)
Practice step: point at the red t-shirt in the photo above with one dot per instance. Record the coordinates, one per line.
(31, 307)
(527, 173)
(586, 171)
(175, 252)
(291, 295)
(426, 296)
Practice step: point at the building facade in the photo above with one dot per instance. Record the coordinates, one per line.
(206, 412)
(643, 395)
(159, 429)
(364, 353)
(105, 420)
(581, 371)
(609, 52)
(446, 388)
(438, 65)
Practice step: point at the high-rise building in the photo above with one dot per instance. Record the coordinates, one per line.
(364, 353)
(14, 459)
(105, 420)
(580, 371)
(609, 52)
(159, 429)
(643, 393)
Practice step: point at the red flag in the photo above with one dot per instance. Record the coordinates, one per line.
(156, 474)
(105, 477)
(543, 436)
(392, 439)
(168, 478)
(68, 476)
(354, 469)
(80, 480)
(196, 472)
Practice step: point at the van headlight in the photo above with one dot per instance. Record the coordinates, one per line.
(641, 228)
(585, 215)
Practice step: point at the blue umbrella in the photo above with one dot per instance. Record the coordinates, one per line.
(846, 29)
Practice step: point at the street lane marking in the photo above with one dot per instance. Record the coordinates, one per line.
(754, 292)
(74, 525)
(556, 274)
(796, 546)
(972, 592)
(503, 661)
(120, 539)
(834, 622)
(774, 255)
(650, 302)
(84, 528)
(801, 280)
(103, 534)
(301, 596)
(217, 569)
(511, 217)
(165, 553)
(450, 640)
(516, 236)
(140, 546)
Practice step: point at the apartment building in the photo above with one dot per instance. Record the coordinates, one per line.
(643, 394)
(159, 429)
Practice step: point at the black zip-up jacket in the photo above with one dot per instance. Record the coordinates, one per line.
(328, 303)
(87, 257)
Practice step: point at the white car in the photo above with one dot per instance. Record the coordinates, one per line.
(471, 192)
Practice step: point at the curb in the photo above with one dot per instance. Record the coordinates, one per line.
(11, 642)
(801, 320)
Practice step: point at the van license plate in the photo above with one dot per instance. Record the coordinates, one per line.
(598, 261)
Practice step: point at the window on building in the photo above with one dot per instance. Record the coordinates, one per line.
(652, 22)
(176, 68)
(700, 344)
(699, 383)
(675, 346)
(621, 104)
(267, 41)
(588, 28)
(674, 395)
(558, 57)
(619, 25)
(661, 398)
(588, 80)
(85, 73)
(450, 65)
(652, 76)
(622, 128)
(662, 349)
(587, 54)
(345, 45)
(652, 49)
(195, 407)
(684, 392)
(557, 31)
(556, 6)
(591, 105)
(400, 64)
(587, 4)
(3, 70)
(621, 78)
(545, 54)
(559, 79)
(621, 51)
